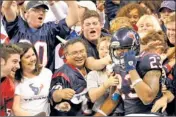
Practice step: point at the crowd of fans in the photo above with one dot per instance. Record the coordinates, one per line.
(88, 58)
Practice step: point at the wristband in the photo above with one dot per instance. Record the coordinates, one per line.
(115, 97)
(136, 81)
(100, 111)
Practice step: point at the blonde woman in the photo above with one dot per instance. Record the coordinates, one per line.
(147, 23)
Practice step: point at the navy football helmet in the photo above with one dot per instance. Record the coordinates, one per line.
(124, 38)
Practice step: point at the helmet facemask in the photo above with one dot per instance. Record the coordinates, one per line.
(117, 59)
(123, 40)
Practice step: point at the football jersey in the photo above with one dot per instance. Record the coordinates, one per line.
(68, 76)
(43, 38)
(132, 103)
(7, 90)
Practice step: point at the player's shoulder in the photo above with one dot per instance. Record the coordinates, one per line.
(149, 61)
(147, 56)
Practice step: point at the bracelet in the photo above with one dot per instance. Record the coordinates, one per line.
(100, 111)
(136, 81)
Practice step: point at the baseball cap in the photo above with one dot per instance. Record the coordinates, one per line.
(168, 4)
(87, 4)
(35, 4)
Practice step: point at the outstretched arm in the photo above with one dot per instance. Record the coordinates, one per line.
(9, 10)
(58, 9)
(72, 17)
(97, 64)
(109, 104)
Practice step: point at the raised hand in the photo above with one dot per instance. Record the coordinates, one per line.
(100, 6)
(130, 60)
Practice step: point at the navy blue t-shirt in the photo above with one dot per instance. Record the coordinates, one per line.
(43, 38)
(92, 48)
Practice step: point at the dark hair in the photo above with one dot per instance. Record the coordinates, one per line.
(88, 14)
(152, 5)
(8, 49)
(73, 41)
(26, 47)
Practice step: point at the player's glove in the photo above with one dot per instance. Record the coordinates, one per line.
(130, 60)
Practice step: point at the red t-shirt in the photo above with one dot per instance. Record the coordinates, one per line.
(7, 89)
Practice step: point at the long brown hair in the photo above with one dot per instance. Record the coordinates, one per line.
(125, 10)
(25, 47)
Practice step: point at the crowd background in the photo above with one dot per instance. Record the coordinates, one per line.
(63, 58)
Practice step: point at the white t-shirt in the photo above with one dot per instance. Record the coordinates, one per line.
(34, 92)
(94, 80)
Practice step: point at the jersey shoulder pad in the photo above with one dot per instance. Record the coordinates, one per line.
(150, 62)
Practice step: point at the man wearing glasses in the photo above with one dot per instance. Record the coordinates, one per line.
(68, 83)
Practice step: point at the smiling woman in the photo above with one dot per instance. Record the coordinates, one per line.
(147, 23)
(32, 86)
(133, 11)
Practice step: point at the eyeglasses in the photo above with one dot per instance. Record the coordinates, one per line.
(77, 53)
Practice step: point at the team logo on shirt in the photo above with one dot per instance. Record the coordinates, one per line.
(36, 89)
(4, 38)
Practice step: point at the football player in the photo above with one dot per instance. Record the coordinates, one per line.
(139, 73)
